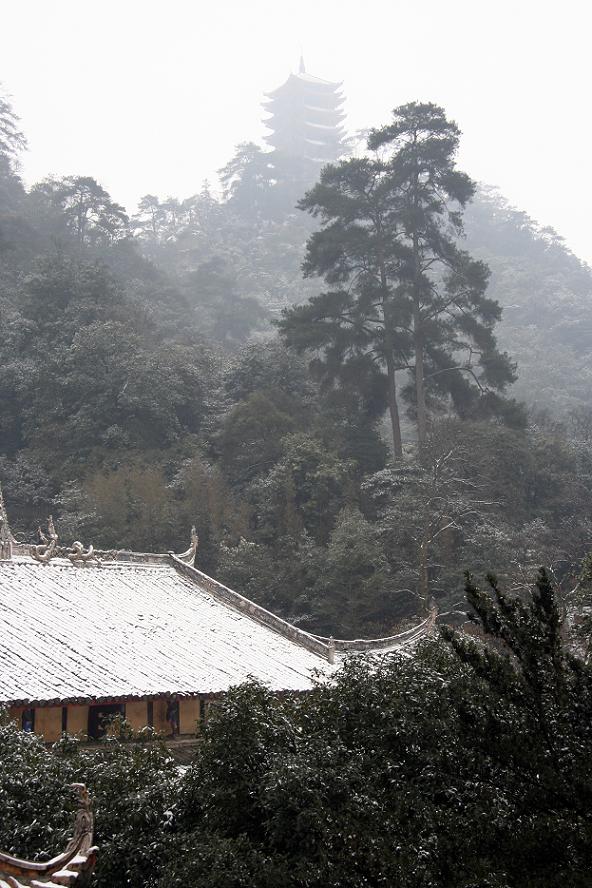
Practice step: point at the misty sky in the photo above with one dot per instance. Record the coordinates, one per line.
(152, 96)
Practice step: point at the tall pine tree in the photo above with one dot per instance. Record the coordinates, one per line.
(452, 320)
(403, 296)
(359, 327)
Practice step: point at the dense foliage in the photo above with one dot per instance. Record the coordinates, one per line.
(445, 769)
(133, 783)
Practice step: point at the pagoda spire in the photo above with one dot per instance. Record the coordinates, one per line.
(301, 68)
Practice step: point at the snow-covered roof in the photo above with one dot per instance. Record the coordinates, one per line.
(78, 626)
(308, 78)
(121, 629)
(333, 111)
(321, 126)
(301, 80)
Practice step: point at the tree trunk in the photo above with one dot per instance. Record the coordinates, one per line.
(393, 408)
(423, 585)
(422, 420)
(390, 364)
(422, 417)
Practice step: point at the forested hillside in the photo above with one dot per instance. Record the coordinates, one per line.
(546, 294)
(144, 386)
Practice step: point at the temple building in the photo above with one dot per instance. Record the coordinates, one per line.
(305, 124)
(87, 635)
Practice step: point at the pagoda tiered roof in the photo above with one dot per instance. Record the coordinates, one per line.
(296, 82)
(305, 117)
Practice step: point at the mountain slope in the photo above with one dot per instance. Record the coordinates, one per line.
(546, 295)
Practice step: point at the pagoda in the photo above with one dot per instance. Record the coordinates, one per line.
(305, 124)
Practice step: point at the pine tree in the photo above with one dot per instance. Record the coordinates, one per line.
(246, 181)
(90, 213)
(357, 328)
(452, 320)
(404, 296)
(537, 695)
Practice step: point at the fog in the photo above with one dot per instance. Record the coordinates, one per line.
(152, 97)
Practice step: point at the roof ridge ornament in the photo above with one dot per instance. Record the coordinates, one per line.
(331, 650)
(82, 837)
(49, 548)
(6, 537)
(189, 555)
(49, 544)
(72, 867)
(76, 553)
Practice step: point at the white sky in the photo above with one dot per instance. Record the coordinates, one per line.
(152, 96)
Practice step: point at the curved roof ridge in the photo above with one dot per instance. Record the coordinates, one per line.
(368, 645)
(319, 644)
(251, 609)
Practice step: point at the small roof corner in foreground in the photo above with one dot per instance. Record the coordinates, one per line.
(72, 867)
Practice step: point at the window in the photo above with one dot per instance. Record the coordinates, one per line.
(172, 715)
(28, 720)
(99, 717)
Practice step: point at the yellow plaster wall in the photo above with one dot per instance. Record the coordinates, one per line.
(77, 719)
(48, 722)
(136, 713)
(188, 715)
(16, 714)
(48, 719)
